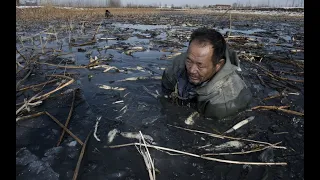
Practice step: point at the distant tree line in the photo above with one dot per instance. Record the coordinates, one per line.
(114, 3)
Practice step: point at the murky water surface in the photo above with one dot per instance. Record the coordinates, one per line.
(138, 54)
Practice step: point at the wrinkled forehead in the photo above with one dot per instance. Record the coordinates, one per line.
(200, 49)
(201, 43)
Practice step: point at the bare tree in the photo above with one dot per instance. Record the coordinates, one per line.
(114, 3)
(234, 5)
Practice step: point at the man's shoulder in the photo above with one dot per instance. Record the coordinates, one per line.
(180, 59)
(178, 63)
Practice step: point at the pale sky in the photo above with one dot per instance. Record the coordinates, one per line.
(213, 2)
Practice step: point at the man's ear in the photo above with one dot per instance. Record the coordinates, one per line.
(220, 64)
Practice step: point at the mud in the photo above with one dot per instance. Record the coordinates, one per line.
(140, 49)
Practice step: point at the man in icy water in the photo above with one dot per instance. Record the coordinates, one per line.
(205, 77)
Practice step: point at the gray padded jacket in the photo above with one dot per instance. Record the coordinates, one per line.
(224, 95)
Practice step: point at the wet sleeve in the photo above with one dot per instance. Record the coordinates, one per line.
(168, 80)
(221, 110)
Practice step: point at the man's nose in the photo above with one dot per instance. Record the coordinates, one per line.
(193, 68)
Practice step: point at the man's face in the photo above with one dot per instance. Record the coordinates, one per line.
(199, 63)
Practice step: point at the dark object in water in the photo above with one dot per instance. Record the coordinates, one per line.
(267, 156)
(107, 13)
(81, 50)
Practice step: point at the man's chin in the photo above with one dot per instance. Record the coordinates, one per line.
(194, 82)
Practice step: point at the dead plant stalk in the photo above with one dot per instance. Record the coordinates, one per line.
(198, 156)
(76, 171)
(44, 96)
(240, 153)
(228, 137)
(281, 108)
(147, 159)
(36, 85)
(64, 128)
(69, 117)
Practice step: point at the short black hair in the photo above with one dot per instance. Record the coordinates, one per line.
(212, 36)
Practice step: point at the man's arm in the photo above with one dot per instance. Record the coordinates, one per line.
(169, 76)
(216, 110)
(167, 84)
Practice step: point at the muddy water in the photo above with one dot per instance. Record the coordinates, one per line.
(119, 98)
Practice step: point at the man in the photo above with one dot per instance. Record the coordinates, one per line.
(205, 77)
(107, 14)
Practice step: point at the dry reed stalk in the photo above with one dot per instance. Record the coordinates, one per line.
(84, 44)
(64, 128)
(71, 80)
(45, 96)
(271, 97)
(239, 153)
(29, 116)
(22, 56)
(61, 66)
(201, 157)
(94, 35)
(26, 103)
(228, 137)
(76, 171)
(26, 76)
(278, 109)
(36, 85)
(69, 117)
(147, 158)
(261, 80)
(273, 75)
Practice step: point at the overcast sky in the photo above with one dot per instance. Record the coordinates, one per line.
(213, 2)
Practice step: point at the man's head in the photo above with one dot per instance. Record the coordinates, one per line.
(205, 55)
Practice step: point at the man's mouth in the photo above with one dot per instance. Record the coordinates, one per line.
(193, 78)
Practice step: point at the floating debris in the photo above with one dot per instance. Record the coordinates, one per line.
(124, 109)
(150, 120)
(173, 55)
(152, 94)
(117, 102)
(191, 118)
(227, 145)
(136, 135)
(140, 78)
(107, 67)
(72, 144)
(112, 134)
(81, 50)
(240, 124)
(296, 50)
(138, 48)
(96, 128)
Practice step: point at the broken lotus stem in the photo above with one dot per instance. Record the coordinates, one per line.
(68, 119)
(240, 124)
(201, 157)
(96, 129)
(147, 158)
(280, 108)
(228, 137)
